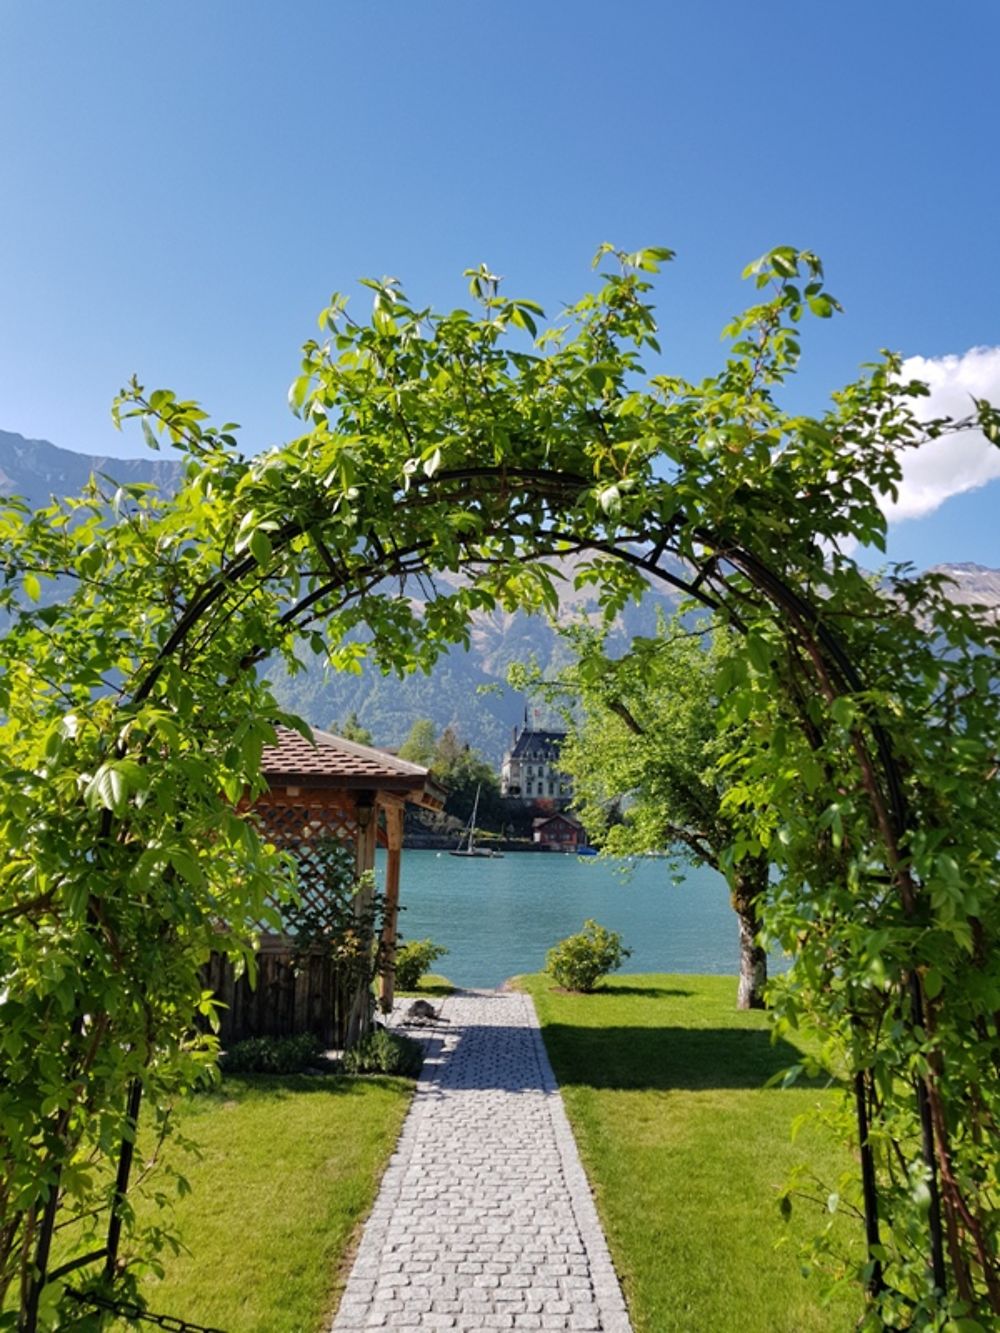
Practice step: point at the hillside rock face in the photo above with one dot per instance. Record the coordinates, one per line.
(36, 470)
(972, 584)
(466, 689)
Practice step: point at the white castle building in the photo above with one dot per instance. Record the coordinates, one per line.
(530, 771)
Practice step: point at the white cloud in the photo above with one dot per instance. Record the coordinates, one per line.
(957, 463)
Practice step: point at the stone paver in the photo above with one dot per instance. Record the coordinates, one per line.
(484, 1219)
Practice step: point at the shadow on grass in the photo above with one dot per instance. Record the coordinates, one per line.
(236, 1087)
(668, 1058)
(651, 991)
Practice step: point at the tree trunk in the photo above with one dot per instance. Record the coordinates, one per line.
(747, 889)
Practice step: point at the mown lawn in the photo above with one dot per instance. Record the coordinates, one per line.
(288, 1171)
(431, 984)
(685, 1150)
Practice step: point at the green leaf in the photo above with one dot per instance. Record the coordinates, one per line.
(823, 306)
(610, 499)
(147, 432)
(299, 391)
(260, 547)
(32, 586)
(186, 866)
(759, 652)
(784, 261)
(653, 256)
(108, 789)
(605, 248)
(843, 711)
(523, 319)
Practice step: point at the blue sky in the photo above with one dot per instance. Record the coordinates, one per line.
(184, 184)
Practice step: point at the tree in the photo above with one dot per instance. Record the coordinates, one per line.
(419, 746)
(866, 748)
(645, 742)
(464, 772)
(352, 730)
(459, 768)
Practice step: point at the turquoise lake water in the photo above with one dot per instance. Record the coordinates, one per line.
(499, 917)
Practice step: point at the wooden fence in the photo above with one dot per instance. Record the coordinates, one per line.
(294, 993)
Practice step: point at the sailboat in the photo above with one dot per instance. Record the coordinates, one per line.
(467, 842)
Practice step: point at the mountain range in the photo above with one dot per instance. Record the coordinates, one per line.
(466, 689)
(36, 470)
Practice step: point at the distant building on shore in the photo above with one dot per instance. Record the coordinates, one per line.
(530, 770)
(558, 833)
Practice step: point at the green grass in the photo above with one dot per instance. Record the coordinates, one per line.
(662, 1081)
(431, 983)
(288, 1171)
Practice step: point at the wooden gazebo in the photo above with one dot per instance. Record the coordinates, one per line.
(327, 788)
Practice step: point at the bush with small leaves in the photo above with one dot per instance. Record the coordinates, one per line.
(414, 959)
(384, 1052)
(579, 961)
(272, 1055)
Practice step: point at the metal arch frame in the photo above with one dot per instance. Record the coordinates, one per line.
(559, 492)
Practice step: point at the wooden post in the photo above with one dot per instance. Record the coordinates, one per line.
(394, 848)
(366, 813)
(367, 817)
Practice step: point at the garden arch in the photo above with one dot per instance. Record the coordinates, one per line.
(710, 489)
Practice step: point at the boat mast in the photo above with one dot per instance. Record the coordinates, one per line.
(472, 821)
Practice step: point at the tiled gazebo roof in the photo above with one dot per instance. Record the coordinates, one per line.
(333, 761)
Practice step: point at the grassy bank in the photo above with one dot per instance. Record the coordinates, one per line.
(287, 1173)
(431, 984)
(685, 1150)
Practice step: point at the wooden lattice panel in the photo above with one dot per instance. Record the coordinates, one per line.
(301, 827)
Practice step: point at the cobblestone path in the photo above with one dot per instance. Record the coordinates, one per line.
(484, 1219)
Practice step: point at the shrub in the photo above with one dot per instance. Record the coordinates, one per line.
(384, 1052)
(579, 961)
(272, 1055)
(414, 959)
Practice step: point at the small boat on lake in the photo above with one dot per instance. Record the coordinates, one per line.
(467, 842)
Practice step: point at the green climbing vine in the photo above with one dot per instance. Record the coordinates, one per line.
(472, 442)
